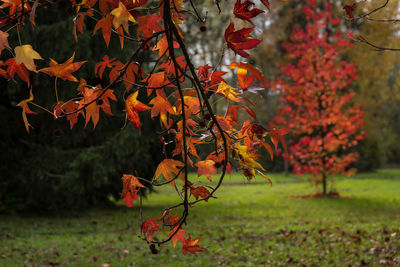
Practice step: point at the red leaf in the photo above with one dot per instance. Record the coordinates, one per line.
(240, 40)
(350, 10)
(150, 227)
(242, 10)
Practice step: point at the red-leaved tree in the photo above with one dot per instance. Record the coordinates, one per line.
(316, 98)
(171, 89)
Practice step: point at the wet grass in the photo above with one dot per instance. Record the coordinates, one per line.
(250, 224)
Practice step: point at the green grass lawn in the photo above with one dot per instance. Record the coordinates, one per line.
(250, 224)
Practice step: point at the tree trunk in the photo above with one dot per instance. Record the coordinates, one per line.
(324, 184)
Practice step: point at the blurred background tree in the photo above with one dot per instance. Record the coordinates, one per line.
(377, 87)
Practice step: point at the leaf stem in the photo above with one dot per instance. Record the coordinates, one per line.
(55, 89)
(45, 109)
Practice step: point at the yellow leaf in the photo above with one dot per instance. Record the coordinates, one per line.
(228, 91)
(121, 17)
(25, 54)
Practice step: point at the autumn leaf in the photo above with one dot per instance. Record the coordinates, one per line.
(203, 72)
(240, 40)
(156, 81)
(199, 192)
(92, 110)
(206, 168)
(14, 68)
(26, 110)
(173, 220)
(150, 227)
(268, 148)
(266, 3)
(168, 168)
(162, 47)
(68, 107)
(3, 73)
(132, 70)
(4, 41)
(242, 10)
(190, 142)
(277, 135)
(228, 92)
(232, 110)
(161, 106)
(25, 54)
(100, 67)
(122, 17)
(147, 25)
(191, 246)
(105, 24)
(64, 70)
(178, 236)
(169, 67)
(133, 106)
(243, 81)
(130, 188)
(350, 10)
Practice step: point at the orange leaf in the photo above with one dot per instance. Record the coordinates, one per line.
(26, 110)
(243, 68)
(67, 107)
(13, 67)
(233, 111)
(147, 25)
(130, 188)
(179, 236)
(199, 191)
(92, 110)
(268, 148)
(100, 67)
(122, 17)
(133, 106)
(64, 70)
(276, 135)
(162, 47)
(161, 106)
(156, 81)
(4, 41)
(105, 24)
(191, 246)
(167, 168)
(173, 220)
(206, 167)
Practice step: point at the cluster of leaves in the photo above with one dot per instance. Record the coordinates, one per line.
(176, 92)
(316, 98)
